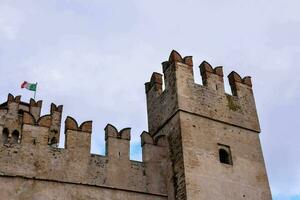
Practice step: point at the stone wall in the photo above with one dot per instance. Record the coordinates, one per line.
(199, 121)
(206, 176)
(18, 188)
(34, 161)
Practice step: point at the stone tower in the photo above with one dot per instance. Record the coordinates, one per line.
(212, 137)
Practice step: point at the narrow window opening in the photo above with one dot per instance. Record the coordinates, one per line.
(15, 137)
(224, 157)
(20, 112)
(225, 154)
(5, 134)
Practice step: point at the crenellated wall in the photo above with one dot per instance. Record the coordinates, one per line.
(202, 144)
(34, 157)
(200, 120)
(208, 100)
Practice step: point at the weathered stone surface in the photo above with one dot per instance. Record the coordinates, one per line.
(206, 177)
(33, 160)
(30, 189)
(197, 119)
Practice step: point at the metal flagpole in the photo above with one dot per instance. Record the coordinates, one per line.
(35, 90)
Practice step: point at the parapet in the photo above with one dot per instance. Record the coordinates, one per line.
(176, 57)
(208, 100)
(34, 154)
(239, 85)
(71, 124)
(16, 116)
(155, 83)
(14, 105)
(117, 142)
(212, 77)
(78, 138)
(112, 131)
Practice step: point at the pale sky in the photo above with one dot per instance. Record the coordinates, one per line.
(95, 56)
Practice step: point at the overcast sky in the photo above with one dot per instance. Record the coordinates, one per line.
(95, 56)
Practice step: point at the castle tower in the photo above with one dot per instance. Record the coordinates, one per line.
(213, 137)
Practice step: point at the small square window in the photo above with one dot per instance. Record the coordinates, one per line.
(225, 154)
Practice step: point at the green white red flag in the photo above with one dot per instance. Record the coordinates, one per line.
(29, 86)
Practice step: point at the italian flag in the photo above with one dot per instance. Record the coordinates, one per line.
(29, 86)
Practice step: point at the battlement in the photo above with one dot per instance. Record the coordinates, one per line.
(202, 144)
(28, 148)
(208, 100)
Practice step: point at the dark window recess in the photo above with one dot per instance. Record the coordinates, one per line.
(15, 137)
(225, 154)
(20, 112)
(5, 134)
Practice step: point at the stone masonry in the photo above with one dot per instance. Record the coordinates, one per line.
(202, 144)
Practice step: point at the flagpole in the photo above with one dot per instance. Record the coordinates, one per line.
(35, 90)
